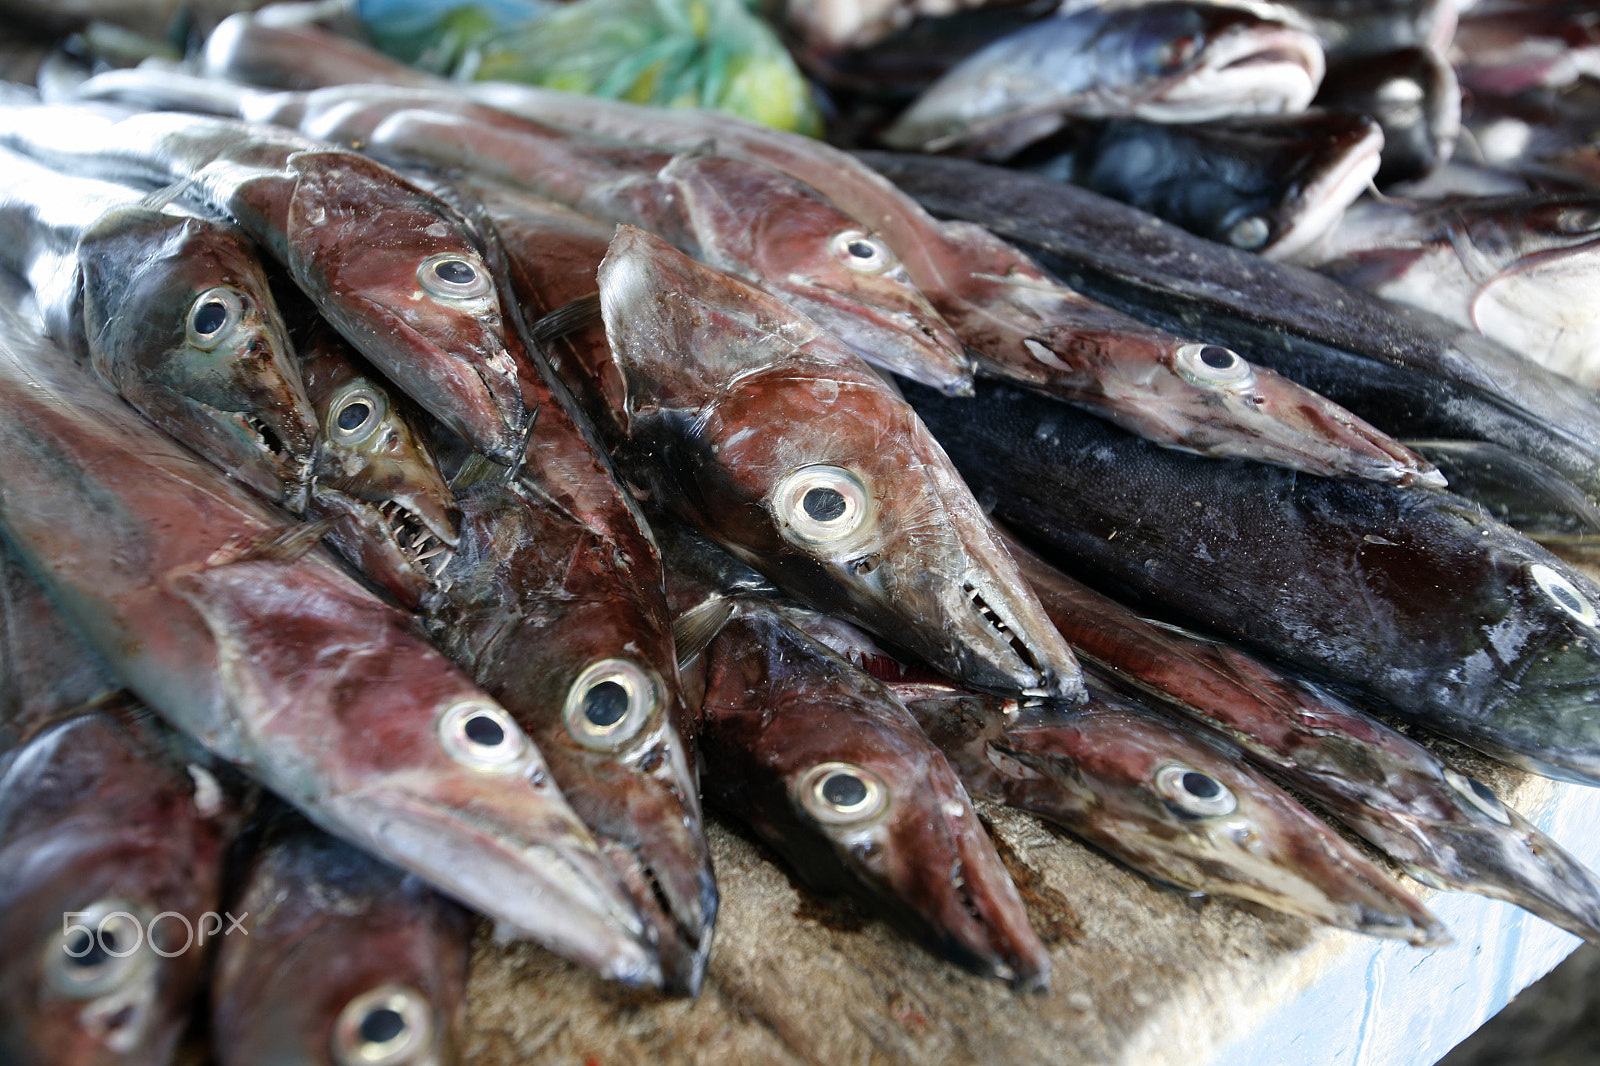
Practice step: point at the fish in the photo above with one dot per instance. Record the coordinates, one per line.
(1515, 268)
(1405, 599)
(346, 960)
(1512, 48)
(1351, 29)
(391, 267)
(758, 428)
(1167, 62)
(172, 311)
(1406, 372)
(1413, 95)
(1447, 829)
(1268, 185)
(243, 635)
(1014, 319)
(1176, 805)
(733, 215)
(1522, 493)
(1546, 138)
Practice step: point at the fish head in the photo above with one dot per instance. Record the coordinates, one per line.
(375, 474)
(379, 254)
(97, 842)
(568, 629)
(1202, 62)
(837, 773)
(1189, 813)
(181, 320)
(827, 265)
(1330, 180)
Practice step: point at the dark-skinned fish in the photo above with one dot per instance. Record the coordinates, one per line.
(260, 647)
(391, 267)
(1413, 95)
(173, 312)
(348, 960)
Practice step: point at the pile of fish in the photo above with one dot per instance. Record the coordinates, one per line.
(420, 494)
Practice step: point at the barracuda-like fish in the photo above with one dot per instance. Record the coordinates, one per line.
(1413, 95)
(1172, 804)
(777, 441)
(1509, 48)
(1017, 321)
(1410, 373)
(1518, 269)
(736, 216)
(1411, 599)
(347, 960)
(172, 311)
(1268, 185)
(278, 662)
(391, 267)
(1446, 829)
(1169, 62)
(830, 770)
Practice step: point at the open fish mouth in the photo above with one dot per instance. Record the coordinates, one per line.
(416, 542)
(1008, 637)
(1246, 72)
(1323, 201)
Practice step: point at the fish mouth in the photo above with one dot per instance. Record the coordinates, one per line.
(915, 343)
(424, 548)
(1246, 71)
(391, 545)
(682, 940)
(1321, 203)
(997, 650)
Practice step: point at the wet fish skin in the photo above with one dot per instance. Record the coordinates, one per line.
(274, 659)
(781, 716)
(742, 411)
(311, 206)
(342, 949)
(1411, 599)
(1119, 776)
(1171, 62)
(1413, 95)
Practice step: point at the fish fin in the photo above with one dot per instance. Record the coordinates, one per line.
(283, 544)
(696, 629)
(475, 471)
(568, 318)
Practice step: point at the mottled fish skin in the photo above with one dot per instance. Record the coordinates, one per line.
(1448, 830)
(394, 269)
(831, 771)
(1413, 95)
(1412, 599)
(776, 440)
(1169, 62)
(1409, 373)
(284, 666)
(347, 960)
(1173, 804)
(1270, 185)
(734, 215)
(172, 311)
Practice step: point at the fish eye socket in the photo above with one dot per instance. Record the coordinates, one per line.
(841, 793)
(1564, 594)
(99, 952)
(454, 276)
(863, 252)
(356, 414)
(1578, 220)
(214, 314)
(1193, 792)
(609, 704)
(481, 736)
(820, 504)
(1213, 366)
(387, 1026)
(1249, 233)
(1479, 796)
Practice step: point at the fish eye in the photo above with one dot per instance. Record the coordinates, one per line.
(862, 252)
(355, 414)
(387, 1026)
(1576, 220)
(1564, 594)
(1249, 233)
(841, 793)
(1479, 795)
(1180, 51)
(99, 951)
(609, 704)
(1212, 365)
(454, 276)
(214, 314)
(1194, 793)
(820, 504)
(481, 736)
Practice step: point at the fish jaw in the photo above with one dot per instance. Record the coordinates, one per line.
(1251, 67)
(1321, 203)
(800, 247)
(365, 534)
(446, 351)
